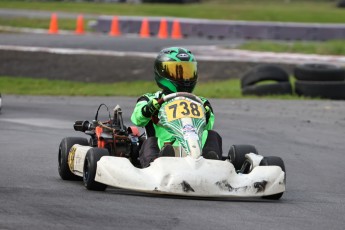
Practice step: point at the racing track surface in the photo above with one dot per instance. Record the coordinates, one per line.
(101, 58)
(308, 135)
(104, 42)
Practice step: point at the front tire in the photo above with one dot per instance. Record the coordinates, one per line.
(93, 155)
(64, 148)
(237, 154)
(276, 161)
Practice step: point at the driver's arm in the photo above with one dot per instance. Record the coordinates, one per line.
(209, 114)
(137, 117)
(210, 123)
(144, 109)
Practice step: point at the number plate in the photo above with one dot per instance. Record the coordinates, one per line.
(183, 108)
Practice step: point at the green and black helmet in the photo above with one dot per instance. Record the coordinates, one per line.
(176, 70)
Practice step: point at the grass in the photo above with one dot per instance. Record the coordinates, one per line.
(40, 23)
(321, 11)
(30, 86)
(336, 47)
(267, 10)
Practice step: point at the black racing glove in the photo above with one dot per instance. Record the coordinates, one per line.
(208, 111)
(151, 107)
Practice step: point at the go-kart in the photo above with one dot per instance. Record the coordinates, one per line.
(110, 158)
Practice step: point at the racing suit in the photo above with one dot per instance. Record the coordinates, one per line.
(157, 135)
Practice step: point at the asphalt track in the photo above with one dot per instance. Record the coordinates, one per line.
(308, 135)
(101, 58)
(104, 42)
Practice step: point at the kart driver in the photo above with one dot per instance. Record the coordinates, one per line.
(175, 70)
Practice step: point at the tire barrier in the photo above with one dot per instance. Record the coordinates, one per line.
(279, 88)
(319, 72)
(341, 4)
(320, 81)
(262, 73)
(321, 89)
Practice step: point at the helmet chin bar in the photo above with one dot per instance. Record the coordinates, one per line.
(179, 88)
(185, 86)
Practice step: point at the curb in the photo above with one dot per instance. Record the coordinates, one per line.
(227, 29)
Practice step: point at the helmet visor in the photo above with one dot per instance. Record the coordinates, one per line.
(179, 71)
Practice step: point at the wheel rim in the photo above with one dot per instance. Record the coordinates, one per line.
(86, 171)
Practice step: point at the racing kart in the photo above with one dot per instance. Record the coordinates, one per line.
(110, 158)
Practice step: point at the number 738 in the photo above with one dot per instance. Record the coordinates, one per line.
(183, 108)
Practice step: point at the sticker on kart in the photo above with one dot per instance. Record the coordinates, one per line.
(178, 109)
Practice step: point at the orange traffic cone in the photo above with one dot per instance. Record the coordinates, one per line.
(176, 30)
(145, 29)
(114, 28)
(80, 25)
(163, 29)
(53, 27)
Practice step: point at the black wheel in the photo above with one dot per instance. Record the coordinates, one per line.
(135, 148)
(237, 154)
(341, 4)
(279, 88)
(319, 72)
(93, 155)
(263, 73)
(277, 161)
(323, 89)
(64, 148)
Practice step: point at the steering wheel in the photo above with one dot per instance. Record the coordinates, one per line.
(179, 94)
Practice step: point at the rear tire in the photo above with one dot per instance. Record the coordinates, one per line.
(322, 89)
(319, 72)
(93, 155)
(341, 4)
(279, 88)
(264, 72)
(276, 161)
(64, 148)
(237, 154)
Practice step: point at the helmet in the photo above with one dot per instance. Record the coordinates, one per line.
(176, 70)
